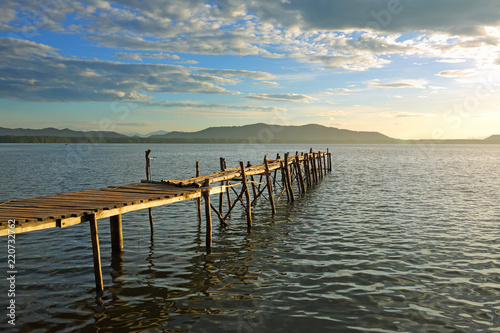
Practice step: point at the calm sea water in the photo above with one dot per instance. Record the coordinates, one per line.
(395, 239)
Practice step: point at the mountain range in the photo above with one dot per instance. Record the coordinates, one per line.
(257, 133)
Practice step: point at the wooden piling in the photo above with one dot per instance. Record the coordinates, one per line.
(198, 200)
(283, 181)
(148, 178)
(299, 173)
(115, 223)
(320, 164)
(329, 159)
(288, 179)
(221, 195)
(315, 167)
(97, 255)
(227, 189)
(208, 215)
(247, 195)
(269, 186)
(276, 171)
(307, 170)
(324, 162)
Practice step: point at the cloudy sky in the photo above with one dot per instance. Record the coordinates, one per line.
(406, 68)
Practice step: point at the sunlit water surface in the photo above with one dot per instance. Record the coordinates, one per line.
(395, 239)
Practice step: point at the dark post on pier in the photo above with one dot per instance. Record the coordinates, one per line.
(68, 209)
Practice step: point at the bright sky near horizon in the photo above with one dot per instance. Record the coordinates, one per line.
(409, 69)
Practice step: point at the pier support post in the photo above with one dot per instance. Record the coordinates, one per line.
(198, 200)
(288, 179)
(269, 186)
(97, 255)
(299, 172)
(276, 171)
(329, 160)
(314, 168)
(208, 216)
(320, 163)
(307, 169)
(148, 178)
(247, 195)
(324, 161)
(115, 223)
(221, 195)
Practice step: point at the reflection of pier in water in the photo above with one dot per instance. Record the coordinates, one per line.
(296, 173)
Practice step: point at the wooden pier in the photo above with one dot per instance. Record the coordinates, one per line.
(68, 209)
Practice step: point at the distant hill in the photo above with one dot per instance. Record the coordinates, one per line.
(56, 133)
(274, 133)
(493, 139)
(255, 133)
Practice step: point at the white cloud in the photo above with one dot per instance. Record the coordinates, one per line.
(35, 72)
(288, 98)
(419, 84)
(271, 83)
(457, 73)
(140, 56)
(346, 35)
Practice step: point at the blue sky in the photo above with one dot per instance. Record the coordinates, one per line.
(406, 68)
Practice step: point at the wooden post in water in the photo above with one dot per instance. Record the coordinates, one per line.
(198, 200)
(299, 172)
(227, 189)
(269, 185)
(97, 255)
(288, 179)
(283, 180)
(324, 161)
(115, 223)
(315, 170)
(208, 216)
(221, 195)
(329, 160)
(247, 195)
(276, 171)
(307, 170)
(148, 178)
(320, 163)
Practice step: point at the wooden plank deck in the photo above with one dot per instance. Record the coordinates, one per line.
(65, 209)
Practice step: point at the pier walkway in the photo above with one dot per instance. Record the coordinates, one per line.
(68, 209)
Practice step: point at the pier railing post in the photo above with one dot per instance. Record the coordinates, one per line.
(97, 255)
(208, 216)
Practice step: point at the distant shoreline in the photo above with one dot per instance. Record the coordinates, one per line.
(138, 140)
